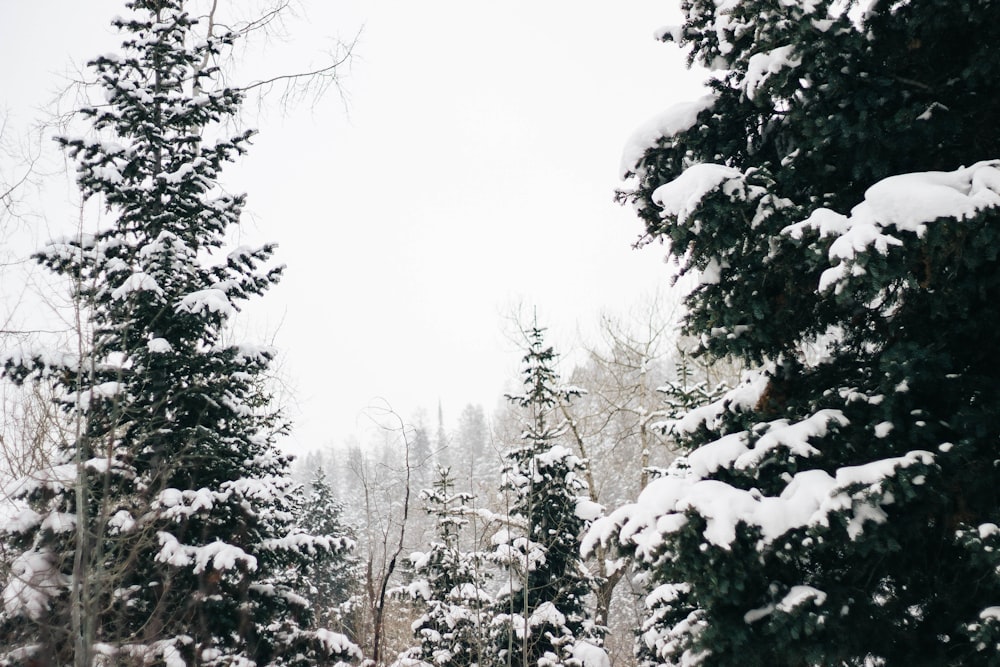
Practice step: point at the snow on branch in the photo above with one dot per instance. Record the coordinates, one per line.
(809, 499)
(903, 203)
(675, 120)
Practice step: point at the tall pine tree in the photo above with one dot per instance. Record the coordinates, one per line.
(449, 584)
(163, 532)
(836, 193)
(539, 616)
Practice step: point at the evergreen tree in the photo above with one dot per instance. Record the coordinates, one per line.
(421, 457)
(840, 507)
(473, 466)
(335, 575)
(442, 442)
(450, 582)
(163, 533)
(539, 616)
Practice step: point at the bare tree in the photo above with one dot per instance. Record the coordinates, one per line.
(385, 491)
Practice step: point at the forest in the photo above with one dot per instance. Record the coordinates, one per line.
(789, 459)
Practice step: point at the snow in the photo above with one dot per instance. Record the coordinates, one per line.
(59, 522)
(176, 504)
(34, 578)
(179, 175)
(159, 346)
(673, 33)
(589, 655)
(137, 282)
(901, 203)
(84, 398)
(546, 614)
(588, 510)
(755, 615)
(338, 644)
(666, 593)
(800, 595)
(712, 273)
(808, 499)
(221, 556)
(215, 555)
(741, 398)
(557, 455)
(733, 449)
(763, 65)
(19, 519)
(990, 613)
(673, 121)
(796, 597)
(212, 300)
(709, 458)
(681, 197)
(121, 522)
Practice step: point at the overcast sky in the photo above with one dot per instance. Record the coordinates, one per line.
(471, 168)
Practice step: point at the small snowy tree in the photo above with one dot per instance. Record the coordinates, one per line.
(449, 581)
(839, 507)
(335, 576)
(539, 613)
(163, 532)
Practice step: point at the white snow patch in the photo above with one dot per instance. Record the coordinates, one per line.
(678, 118)
(588, 510)
(589, 655)
(800, 595)
(741, 398)
(988, 530)
(211, 300)
(763, 65)
(680, 197)
(808, 499)
(755, 615)
(137, 282)
(159, 346)
(904, 203)
(34, 578)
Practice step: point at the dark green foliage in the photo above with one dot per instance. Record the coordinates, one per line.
(335, 576)
(875, 412)
(170, 506)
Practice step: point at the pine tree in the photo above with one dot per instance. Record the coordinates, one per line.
(335, 575)
(475, 469)
(450, 583)
(840, 507)
(539, 616)
(163, 533)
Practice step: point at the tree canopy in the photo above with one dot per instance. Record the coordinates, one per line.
(837, 193)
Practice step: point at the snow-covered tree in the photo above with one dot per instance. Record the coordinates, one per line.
(838, 191)
(473, 460)
(335, 576)
(163, 532)
(539, 615)
(449, 583)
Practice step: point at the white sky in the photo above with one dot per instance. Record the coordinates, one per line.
(473, 169)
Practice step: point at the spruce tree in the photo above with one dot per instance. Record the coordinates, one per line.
(163, 532)
(335, 575)
(539, 616)
(449, 582)
(837, 190)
